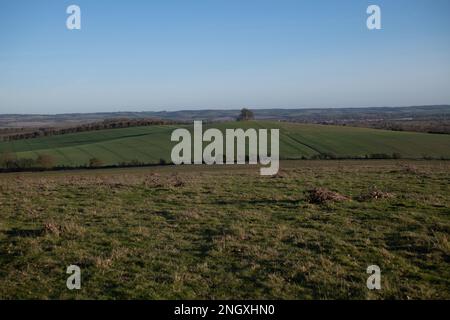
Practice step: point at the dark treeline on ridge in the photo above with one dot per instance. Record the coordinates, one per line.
(9, 134)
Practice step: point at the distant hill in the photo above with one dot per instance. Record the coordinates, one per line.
(331, 115)
(152, 144)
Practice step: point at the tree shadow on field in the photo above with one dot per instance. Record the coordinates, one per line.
(24, 233)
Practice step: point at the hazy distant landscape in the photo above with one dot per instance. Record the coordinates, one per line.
(332, 115)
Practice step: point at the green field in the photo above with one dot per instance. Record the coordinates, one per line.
(150, 144)
(225, 232)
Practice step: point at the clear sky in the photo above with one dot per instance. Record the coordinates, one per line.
(177, 54)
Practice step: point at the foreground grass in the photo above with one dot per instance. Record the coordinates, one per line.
(226, 232)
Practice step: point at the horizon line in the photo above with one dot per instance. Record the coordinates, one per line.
(190, 109)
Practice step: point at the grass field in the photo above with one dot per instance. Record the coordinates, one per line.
(150, 144)
(226, 232)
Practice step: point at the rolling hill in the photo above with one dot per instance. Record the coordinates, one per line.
(151, 144)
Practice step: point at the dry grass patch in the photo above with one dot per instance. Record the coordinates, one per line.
(375, 194)
(323, 196)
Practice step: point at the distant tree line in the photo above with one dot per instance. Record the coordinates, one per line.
(105, 124)
(12, 130)
(425, 126)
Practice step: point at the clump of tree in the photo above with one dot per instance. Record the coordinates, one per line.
(246, 115)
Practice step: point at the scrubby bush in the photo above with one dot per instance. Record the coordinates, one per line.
(26, 163)
(135, 163)
(45, 161)
(6, 159)
(325, 156)
(380, 156)
(95, 163)
(396, 155)
(9, 161)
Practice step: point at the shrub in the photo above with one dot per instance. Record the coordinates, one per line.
(9, 161)
(26, 163)
(325, 156)
(6, 159)
(45, 161)
(135, 163)
(329, 156)
(380, 156)
(95, 163)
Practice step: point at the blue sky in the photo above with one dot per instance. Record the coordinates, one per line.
(177, 54)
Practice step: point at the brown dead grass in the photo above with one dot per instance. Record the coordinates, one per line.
(375, 194)
(323, 196)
